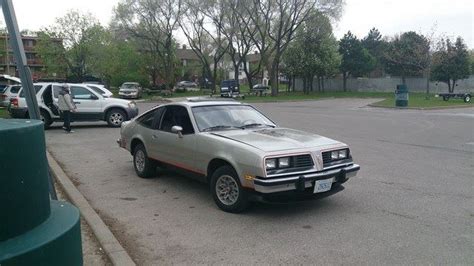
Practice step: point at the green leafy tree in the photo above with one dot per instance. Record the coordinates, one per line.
(313, 52)
(356, 60)
(78, 32)
(376, 46)
(450, 63)
(407, 55)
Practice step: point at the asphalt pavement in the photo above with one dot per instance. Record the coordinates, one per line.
(411, 203)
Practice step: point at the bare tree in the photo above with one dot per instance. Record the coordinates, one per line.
(153, 23)
(202, 24)
(277, 21)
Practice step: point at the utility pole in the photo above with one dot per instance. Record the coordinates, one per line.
(21, 63)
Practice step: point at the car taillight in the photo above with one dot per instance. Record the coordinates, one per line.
(14, 102)
(3, 96)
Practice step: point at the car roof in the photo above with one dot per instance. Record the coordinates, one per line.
(201, 101)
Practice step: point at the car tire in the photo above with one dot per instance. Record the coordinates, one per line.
(227, 191)
(115, 117)
(445, 98)
(46, 119)
(467, 98)
(144, 166)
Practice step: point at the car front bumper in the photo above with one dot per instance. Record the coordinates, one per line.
(303, 182)
(131, 95)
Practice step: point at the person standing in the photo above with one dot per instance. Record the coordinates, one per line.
(66, 106)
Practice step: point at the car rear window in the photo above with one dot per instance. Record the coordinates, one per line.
(37, 89)
(15, 89)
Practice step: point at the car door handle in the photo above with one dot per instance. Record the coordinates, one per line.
(154, 136)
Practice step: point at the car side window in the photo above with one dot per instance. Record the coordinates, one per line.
(176, 116)
(146, 120)
(81, 93)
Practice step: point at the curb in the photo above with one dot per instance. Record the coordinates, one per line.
(111, 246)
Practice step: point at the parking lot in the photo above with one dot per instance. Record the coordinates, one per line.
(411, 203)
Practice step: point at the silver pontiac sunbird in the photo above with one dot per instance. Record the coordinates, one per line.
(236, 149)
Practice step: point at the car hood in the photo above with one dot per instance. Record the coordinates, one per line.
(277, 139)
(116, 100)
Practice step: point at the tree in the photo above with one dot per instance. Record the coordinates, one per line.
(276, 22)
(313, 52)
(407, 55)
(450, 63)
(52, 54)
(153, 24)
(356, 60)
(202, 25)
(77, 32)
(375, 45)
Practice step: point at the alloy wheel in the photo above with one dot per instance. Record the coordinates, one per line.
(227, 190)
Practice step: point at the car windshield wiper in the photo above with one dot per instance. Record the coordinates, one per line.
(218, 127)
(255, 125)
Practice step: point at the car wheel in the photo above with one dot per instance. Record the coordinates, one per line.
(467, 98)
(46, 119)
(115, 117)
(445, 98)
(144, 166)
(227, 191)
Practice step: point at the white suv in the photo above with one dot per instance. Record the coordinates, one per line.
(91, 106)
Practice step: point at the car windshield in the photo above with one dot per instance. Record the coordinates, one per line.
(129, 86)
(96, 89)
(219, 117)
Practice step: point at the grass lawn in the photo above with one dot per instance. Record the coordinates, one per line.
(418, 100)
(4, 113)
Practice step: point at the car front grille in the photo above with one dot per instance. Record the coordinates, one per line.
(304, 160)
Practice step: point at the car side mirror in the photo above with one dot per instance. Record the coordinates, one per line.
(178, 130)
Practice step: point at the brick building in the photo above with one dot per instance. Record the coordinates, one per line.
(8, 64)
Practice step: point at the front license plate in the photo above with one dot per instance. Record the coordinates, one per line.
(323, 185)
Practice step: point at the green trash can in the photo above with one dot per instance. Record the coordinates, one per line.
(401, 96)
(34, 230)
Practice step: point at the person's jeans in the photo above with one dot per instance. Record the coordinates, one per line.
(67, 120)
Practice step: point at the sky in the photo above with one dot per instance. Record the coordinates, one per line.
(449, 18)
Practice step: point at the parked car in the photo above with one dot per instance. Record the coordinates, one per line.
(230, 88)
(187, 84)
(9, 92)
(130, 90)
(238, 151)
(100, 89)
(91, 106)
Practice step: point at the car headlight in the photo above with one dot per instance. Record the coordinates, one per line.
(132, 105)
(342, 154)
(334, 155)
(284, 162)
(270, 163)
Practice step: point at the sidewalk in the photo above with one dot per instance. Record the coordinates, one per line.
(92, 252)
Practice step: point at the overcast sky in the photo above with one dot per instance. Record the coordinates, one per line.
(450, 18)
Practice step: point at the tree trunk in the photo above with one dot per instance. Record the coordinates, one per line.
(304, 85)
(319, 83)
(322, 83)
(344, 81)
(449, 85)
(404, 82)
(311, 80)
